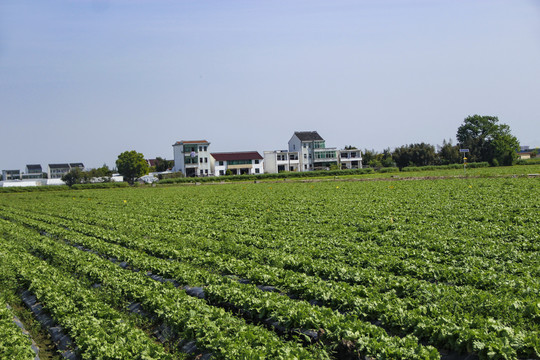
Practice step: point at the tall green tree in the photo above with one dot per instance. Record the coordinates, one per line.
(131, 165)
(487, 140)
(368, 156)
(506, 147)
(449, 154)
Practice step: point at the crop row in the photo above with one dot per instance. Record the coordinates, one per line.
(212, 328)
(357, 264)
(375, 243)
(280, 311)
(99, 330)
(441, 323)
(14, 344)
(506, 307)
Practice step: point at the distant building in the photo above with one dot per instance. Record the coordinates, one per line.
(76, 165)
(308, 152)
(314, 155)
(281, 160)
(8, 175)
(350, 159)
(56, 171)
(525, 152)
(33, 171)
(192, 158)
(238, 163)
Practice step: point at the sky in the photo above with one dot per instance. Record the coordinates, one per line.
(83, 81)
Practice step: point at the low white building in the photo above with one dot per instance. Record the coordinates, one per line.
(8, 175)
(238, 163)
(192, 158)
(281, 160)
(350, 159)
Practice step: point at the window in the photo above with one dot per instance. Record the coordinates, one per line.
(257, 171)
(294, 147)
(202, 172)
(221, 163)
(239, 162)
(305, 166)
(206, 171)
(256, 161)
(325, 155)
(200, 148)
(305, 156)
(221, 172)
(205, 160)
(201, 160)
(205, 148)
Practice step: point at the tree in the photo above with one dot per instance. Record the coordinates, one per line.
(74, 176)
(374, 159)
(448, 153)
(414, 154)
(131, 165)
(505, 145)
(163, 165)
(487, 140)
(368, 156)
(104, 173)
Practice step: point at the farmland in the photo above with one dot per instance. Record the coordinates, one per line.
(425, 269)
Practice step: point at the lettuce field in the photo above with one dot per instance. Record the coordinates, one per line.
(423, 269)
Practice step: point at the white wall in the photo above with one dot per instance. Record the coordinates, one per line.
(270, 162)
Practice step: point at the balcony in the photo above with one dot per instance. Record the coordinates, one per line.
(188, 160)
(324, 155)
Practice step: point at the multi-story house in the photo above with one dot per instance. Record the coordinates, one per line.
(56, 171)
(238, 163)
(350, 159)
(313, 153)
(192, 158)
(11, 175)
(281, 160)
(33, 172)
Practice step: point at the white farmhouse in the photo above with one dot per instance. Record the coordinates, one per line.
(350, 159)
(314, 155)
(192, 158)
(239, 163)
(281, 160)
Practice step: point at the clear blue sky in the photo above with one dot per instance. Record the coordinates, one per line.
(85, 80)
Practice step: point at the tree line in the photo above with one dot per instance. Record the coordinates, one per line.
(486, 139)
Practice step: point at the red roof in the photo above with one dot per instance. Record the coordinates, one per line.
(242, 155)
(191, 142)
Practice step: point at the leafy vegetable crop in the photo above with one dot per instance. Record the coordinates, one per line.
(387, 269)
